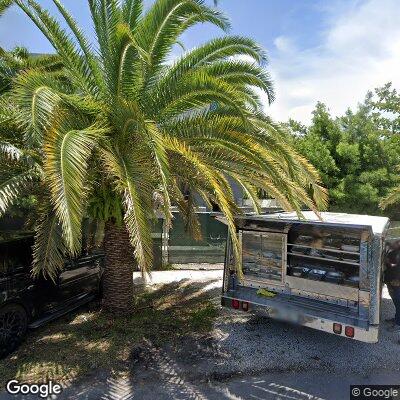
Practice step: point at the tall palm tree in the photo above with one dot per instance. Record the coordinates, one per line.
(126, 130)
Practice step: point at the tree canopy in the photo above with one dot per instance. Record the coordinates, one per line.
(356, 154)
(122, 130)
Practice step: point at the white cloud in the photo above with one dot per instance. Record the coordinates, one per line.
(359, 51)
(284, 44)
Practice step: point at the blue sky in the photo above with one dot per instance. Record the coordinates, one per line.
(328, 50)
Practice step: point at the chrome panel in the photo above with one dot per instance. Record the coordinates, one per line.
(264, 252)
(364, 298)
(375, 278)
(365, 250)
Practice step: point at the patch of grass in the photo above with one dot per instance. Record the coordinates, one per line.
(89, 339)
(202, 318)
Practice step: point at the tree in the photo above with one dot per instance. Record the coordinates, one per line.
(18, 60)
(319, 142)
(123, 131)
(389, 102)
(355, 154)
(13, 63)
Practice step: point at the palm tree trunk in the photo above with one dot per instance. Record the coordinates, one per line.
(119, 263)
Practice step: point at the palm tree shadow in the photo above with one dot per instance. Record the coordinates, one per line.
(87, 343)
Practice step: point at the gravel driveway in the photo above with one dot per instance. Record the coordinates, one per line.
(249, 344)
(243, 350)
(255, 344)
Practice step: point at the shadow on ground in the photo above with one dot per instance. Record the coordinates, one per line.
(251, 357)
(180, 345)
(89, 341)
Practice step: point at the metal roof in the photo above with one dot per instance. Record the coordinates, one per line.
(378, 224)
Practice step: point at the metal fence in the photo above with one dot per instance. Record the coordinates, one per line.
(176, 246)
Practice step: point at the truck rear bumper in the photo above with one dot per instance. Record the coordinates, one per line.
(348, 327)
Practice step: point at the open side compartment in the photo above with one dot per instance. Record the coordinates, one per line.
(323, 262)
(327, 255)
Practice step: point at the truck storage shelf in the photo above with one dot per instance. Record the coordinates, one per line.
(324, 259)
(325, 249)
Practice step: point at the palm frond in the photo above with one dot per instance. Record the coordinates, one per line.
(132, 11)
(213, 51)
(242, 73)
(36, 95)
(49, 250)
(67, 150)
(250, 190)
(63, 44)
(198, 91)
(219, 185)
(126, 76)
(83, 43)
(4, 5)
(131, 179)
(155, 139)
(12, 188)
(187, 207)
(166, 20)
(9, 151)
(106, 15)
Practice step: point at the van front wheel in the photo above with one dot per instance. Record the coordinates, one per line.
(13, 327)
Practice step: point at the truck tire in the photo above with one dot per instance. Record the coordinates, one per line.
(13, 327)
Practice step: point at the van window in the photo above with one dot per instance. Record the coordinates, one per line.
(15, 256)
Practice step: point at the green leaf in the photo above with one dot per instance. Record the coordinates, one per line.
(49, 250)
(4, 5)
(12, 189)
(67, 151)
(131, 179)
(132, 11)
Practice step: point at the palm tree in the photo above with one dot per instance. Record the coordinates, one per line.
(18, 60)
(125, 130)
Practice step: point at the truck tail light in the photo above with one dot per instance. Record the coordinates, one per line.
(349, 331)
(245, 306)
(235, 304)
(337, 328)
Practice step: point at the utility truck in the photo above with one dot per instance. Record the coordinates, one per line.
(324, 272)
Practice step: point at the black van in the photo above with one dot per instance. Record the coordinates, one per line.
(26, 302)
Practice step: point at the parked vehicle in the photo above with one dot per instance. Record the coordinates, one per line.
(26, 302)
(324, 274)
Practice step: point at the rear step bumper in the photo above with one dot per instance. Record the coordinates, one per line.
(304, 316)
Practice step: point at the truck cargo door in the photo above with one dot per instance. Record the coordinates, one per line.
(263, 257)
